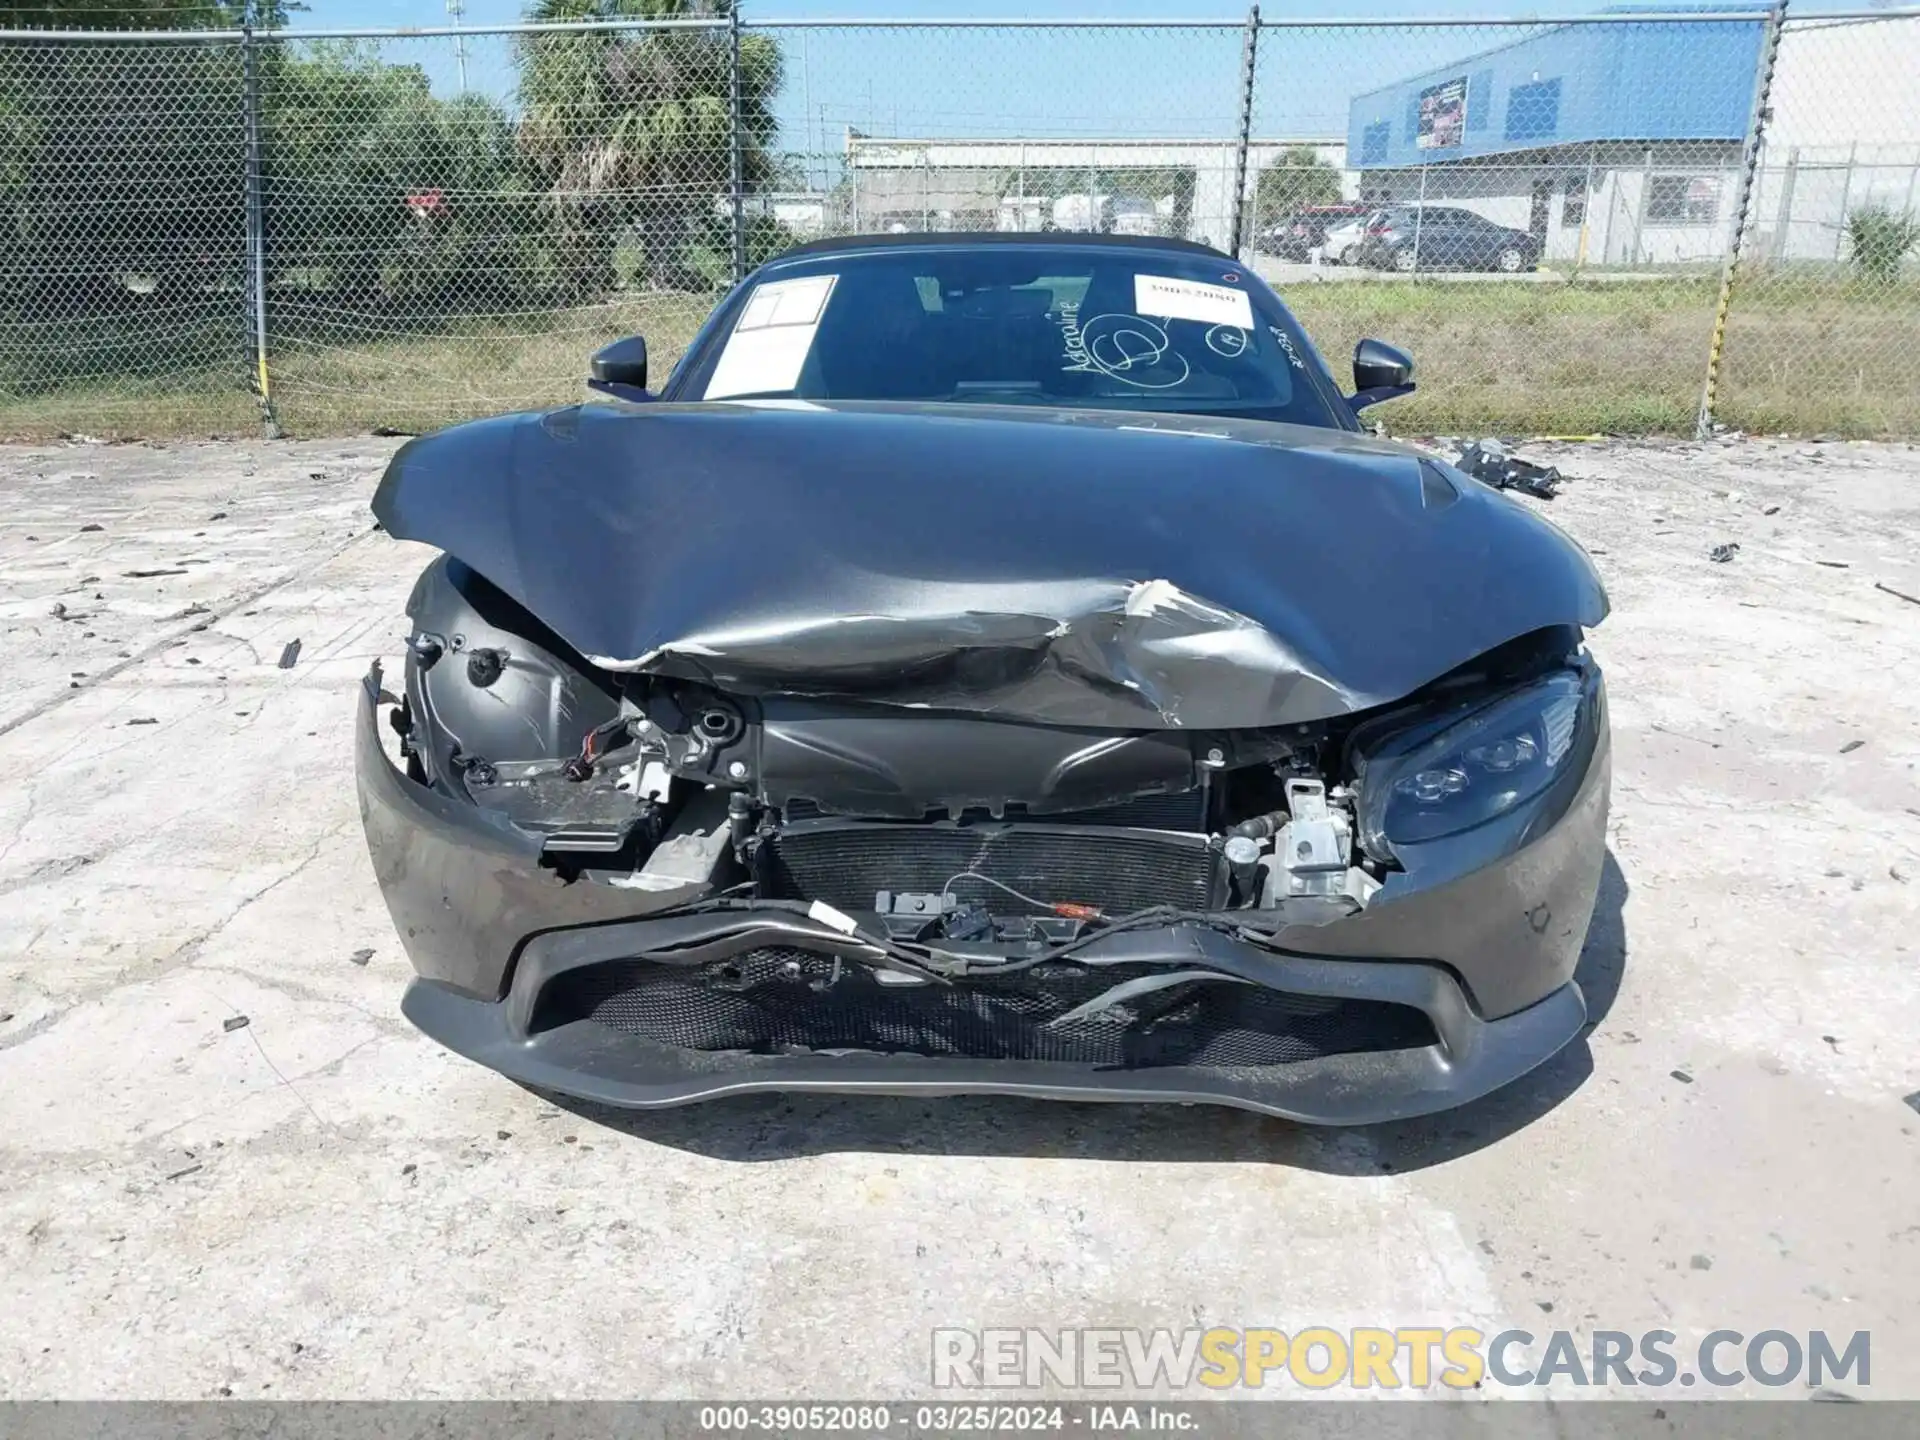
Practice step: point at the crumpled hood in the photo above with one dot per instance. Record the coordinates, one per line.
(1091, 568)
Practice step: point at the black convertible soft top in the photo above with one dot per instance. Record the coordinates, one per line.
(844, 244)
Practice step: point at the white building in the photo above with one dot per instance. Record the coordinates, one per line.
(1621, 143)
(1133, 186)
(1616, 144)
(1844, 133)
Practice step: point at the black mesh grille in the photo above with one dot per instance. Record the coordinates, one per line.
(1117, 870)
(779, 1001)
(1184, 810)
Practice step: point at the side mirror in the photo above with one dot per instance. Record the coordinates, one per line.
(1379, 366)
(621, 368)
(1380, 372)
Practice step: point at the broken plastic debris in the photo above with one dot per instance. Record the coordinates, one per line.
(1489, 462)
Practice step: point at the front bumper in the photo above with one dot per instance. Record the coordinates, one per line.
(1487, 955)
(1472, 1057)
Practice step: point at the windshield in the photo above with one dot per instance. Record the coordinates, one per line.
(1087, 326)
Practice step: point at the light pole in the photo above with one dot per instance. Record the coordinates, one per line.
(456, 9)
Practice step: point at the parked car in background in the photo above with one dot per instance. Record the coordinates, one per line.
(1296, 235)
(1441, 237)
(1133, 215)
(1337, 247)
(1083, 213)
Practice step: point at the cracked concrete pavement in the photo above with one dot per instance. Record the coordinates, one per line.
(318, 1202)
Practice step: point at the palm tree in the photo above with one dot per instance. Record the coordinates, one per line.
(627, 130)
(1293, 180)
(146, 14)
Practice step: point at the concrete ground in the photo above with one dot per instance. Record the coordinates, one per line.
(228, 1167)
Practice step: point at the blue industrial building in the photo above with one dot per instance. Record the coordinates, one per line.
(1615, 143)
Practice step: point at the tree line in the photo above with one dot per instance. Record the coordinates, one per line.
(607, 162)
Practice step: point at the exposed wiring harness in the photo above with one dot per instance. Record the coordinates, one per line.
(930, 962)
(1067, 909)
(580, 767)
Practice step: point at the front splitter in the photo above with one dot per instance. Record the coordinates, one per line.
(591, 1062)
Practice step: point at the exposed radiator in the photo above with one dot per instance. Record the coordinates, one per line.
(845, 863)
(1185, 810)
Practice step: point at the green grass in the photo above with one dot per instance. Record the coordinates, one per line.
(1623, 357)
(346, 375)
(106, 410)
(158, 370)
(1805, 352)
(332, 383)
(1838, 358)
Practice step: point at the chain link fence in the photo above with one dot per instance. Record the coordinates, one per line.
(1825, 312)
(122, 268)
(1634, 222)
(435, 253)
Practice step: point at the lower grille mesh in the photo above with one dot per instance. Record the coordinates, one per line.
(846, 864)
(778, 1000)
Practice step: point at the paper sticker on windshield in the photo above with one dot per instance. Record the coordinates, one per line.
(772, 338)
(1172, 299)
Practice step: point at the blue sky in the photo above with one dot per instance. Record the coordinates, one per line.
(433, 12)
(1121, 83)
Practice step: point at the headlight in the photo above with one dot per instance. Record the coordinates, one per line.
(1440, 783)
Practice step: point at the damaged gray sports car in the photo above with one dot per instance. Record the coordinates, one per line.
(993, 664)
